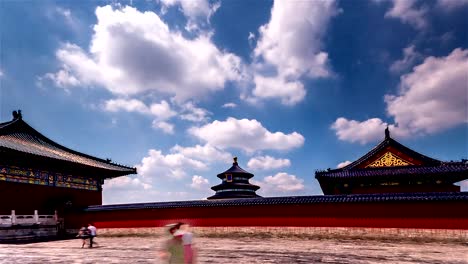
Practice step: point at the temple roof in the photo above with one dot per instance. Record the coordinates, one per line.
(387, 143)
(235, 184)
(292, 200)
(18, 136)
(235, 169)
(447, 169)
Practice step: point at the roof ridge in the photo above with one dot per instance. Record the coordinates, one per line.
(19, 126)
(388, 141)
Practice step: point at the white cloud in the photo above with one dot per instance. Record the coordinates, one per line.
(449, 5)
(133, 52)
(343, 164)
(162, 111)
(126, 183)
(198, 12)
(410, 57)
(289, 47)
(267, 163)
(270, 87)
(431, 98)
(131, 105)
(174, 166)
(245, 134)
(409, 13)
(192, 113)
(363, 132)
(164, 126)
(1, 73)
(198, 182)
(251, 36)
(206, 153)
(281, 182)
(62, 78)
(229, 105)
(158, 173)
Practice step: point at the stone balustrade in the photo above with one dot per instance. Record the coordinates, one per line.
(27, 220)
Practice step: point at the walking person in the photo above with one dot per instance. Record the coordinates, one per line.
(174, 250)
(83, 234)
(92, 234)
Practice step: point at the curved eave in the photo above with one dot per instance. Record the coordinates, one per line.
(110, 172)
(234, 195)
(223, 186)
(19, 127)
(235, 170)
(450, 171)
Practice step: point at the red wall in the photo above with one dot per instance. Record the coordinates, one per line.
(25, 198)
(446, 215)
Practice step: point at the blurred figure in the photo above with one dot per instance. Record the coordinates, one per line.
(83, 234)
(174, 247)
(187, 238)
(92, 234)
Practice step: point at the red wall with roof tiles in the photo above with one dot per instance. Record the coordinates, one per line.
(443, 215)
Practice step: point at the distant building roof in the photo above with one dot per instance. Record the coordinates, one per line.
(388, 143)
(234, 184)
(292, 200)
(392, 164)
(446, 169)
(18, 136)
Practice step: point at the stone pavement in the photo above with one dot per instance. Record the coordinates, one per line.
(239, 250)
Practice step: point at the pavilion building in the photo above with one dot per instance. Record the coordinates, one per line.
(235, 184)
(391, 167)
(37, 173)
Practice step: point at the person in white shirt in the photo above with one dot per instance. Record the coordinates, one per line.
(92, 234)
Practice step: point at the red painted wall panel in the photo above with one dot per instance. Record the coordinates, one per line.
(424, 214)
(25, 198)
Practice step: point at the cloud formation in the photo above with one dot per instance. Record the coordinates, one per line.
(133, 52)
(409, 13)
(290, 47)
(245, 134)
(410, 57)
(343, 164)
(174, 166)
(449, 5)
(199, 183)
(206, 153)
(267, 163)
(197, 12)
(281, 182)
(431, 98)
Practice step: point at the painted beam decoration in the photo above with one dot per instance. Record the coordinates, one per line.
(46, 178)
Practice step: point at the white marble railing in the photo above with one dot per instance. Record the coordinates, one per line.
(25, 220)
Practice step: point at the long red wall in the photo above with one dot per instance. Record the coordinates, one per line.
(25, 198)
(422, 214)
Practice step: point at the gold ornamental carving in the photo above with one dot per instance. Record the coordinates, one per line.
(389, 160)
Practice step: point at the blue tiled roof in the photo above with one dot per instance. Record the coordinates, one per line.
(446, 169)
(18, 136)
(291, 200)
(235, 169)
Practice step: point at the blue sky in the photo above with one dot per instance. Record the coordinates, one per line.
(178, 87)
